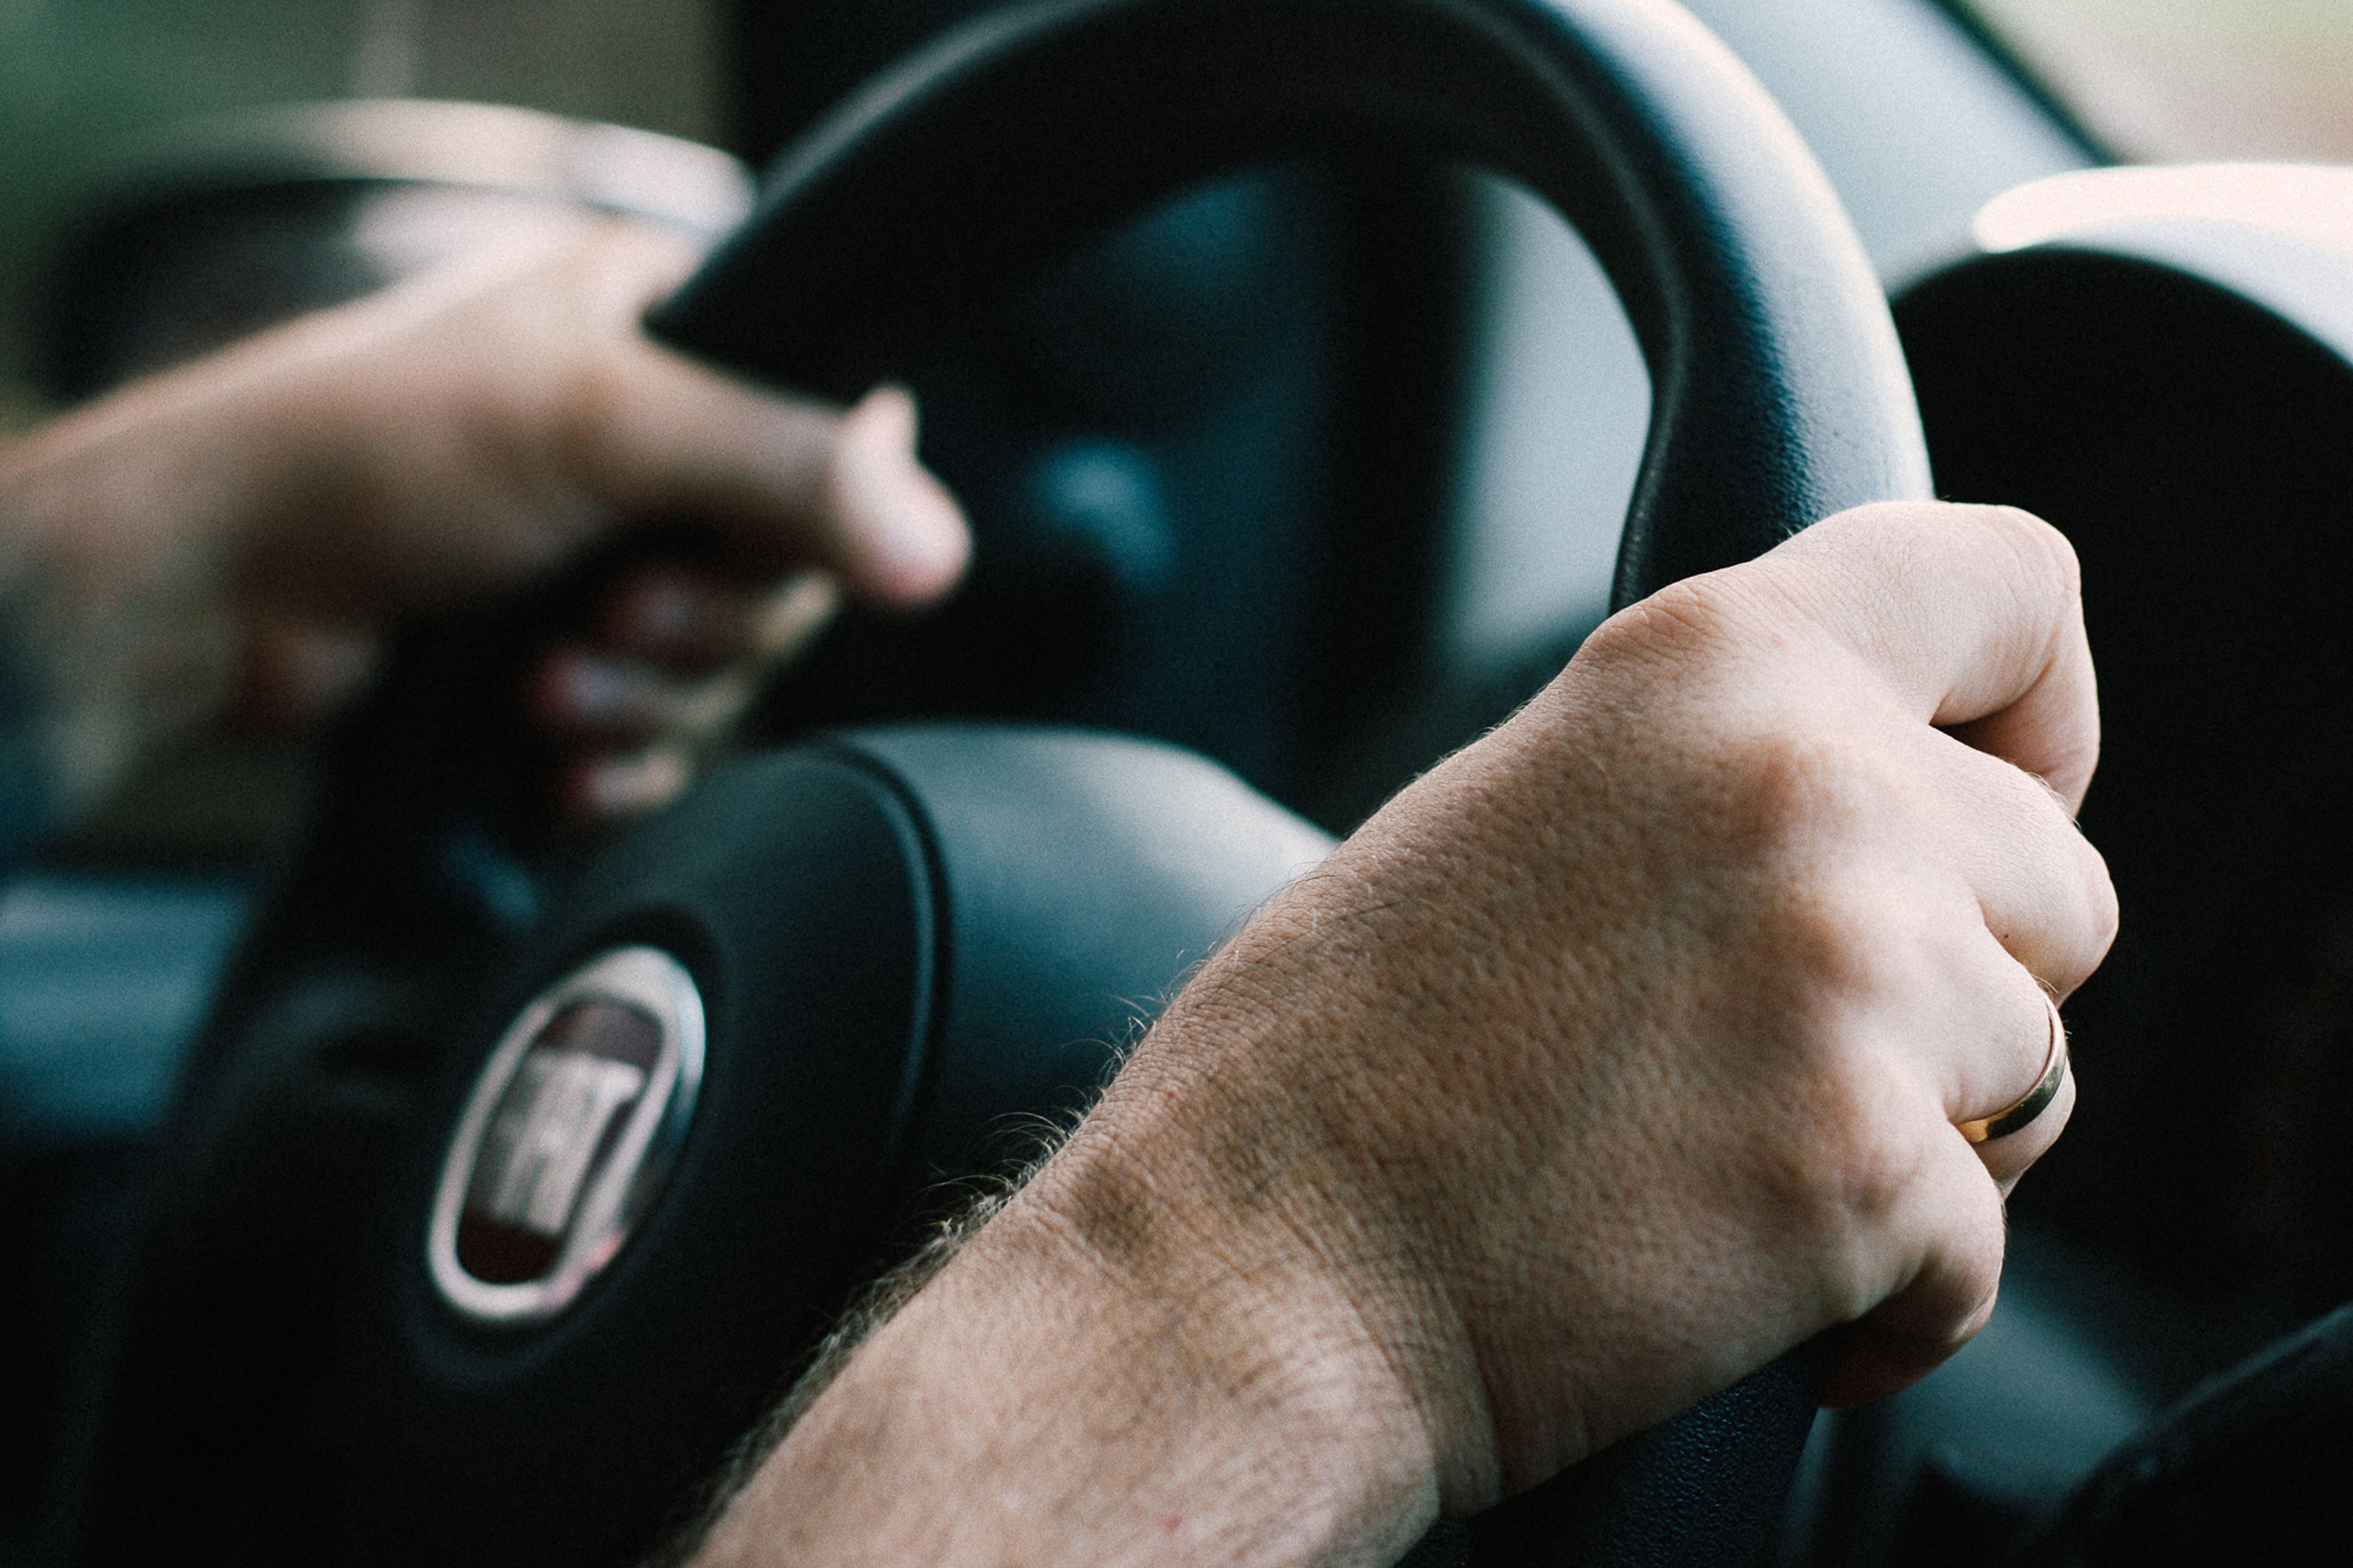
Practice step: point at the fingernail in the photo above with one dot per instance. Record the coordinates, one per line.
(794, 614)
(631, 785)
(575, 688)
(592, 689)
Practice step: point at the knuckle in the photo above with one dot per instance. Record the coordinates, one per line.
(1814, 791)
(1853, 1162)
(2076, 901)
(1832, 951)
(2107, 911)
(1701, 616)
(2100, 916)
(2042, 554)
(1814, 839)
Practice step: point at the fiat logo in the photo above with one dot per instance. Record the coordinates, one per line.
(567, 1137)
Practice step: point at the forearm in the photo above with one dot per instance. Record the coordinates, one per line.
(1089, 1380)
(144, 538)
(239, 532)
(113, 556)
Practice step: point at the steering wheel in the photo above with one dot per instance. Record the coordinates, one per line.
(703, 1094)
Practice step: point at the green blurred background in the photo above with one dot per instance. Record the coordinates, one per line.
(82, 81)
(85, 82)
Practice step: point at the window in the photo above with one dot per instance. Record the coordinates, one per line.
(2184, 80)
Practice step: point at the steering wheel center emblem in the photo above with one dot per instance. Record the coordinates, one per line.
(566, 1138)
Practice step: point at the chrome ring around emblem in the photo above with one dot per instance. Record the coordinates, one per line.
(566, 1138)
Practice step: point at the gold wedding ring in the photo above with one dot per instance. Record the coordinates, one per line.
(2034, 1101)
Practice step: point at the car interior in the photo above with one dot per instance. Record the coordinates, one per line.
(1301, 439)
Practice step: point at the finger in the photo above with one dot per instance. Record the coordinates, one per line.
(1970, 1022)
(877, 490)
(791, 617)
(1998, 1062)
(1950, 1293)
(2007, 1159)
(681, 617)
(297, 670)
(589, 697)
(1990, 1031)
(1969, 1028)
(2043, 890)
(1971, 614)
(795, 482)
(611, 787)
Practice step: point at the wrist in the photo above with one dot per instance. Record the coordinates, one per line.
(1108, 1371)
(1250, 1305)
(1237, 1160)
(113, 574)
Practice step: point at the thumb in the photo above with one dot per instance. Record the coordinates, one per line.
(793, 481)
(1972, 615)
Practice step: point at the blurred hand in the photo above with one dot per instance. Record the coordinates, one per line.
(1621, 1053)
(237, 534)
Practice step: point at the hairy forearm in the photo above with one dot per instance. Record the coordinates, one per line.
(1625, 1049)
(1060, 1394)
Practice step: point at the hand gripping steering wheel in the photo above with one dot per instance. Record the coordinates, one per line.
(1779, 392)
(708, 1092)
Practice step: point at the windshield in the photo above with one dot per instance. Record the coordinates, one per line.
(2182, 80)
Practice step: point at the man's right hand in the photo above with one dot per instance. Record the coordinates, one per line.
(1621, 1053)
(240, 533)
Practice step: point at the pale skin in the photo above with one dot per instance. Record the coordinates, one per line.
(230, 539)
(1621, 1052)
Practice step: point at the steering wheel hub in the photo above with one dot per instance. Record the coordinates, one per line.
(566, 1138)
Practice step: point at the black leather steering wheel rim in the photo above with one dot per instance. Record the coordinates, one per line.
(1779, 392)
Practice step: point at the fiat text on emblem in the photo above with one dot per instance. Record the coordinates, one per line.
(566, 1137)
